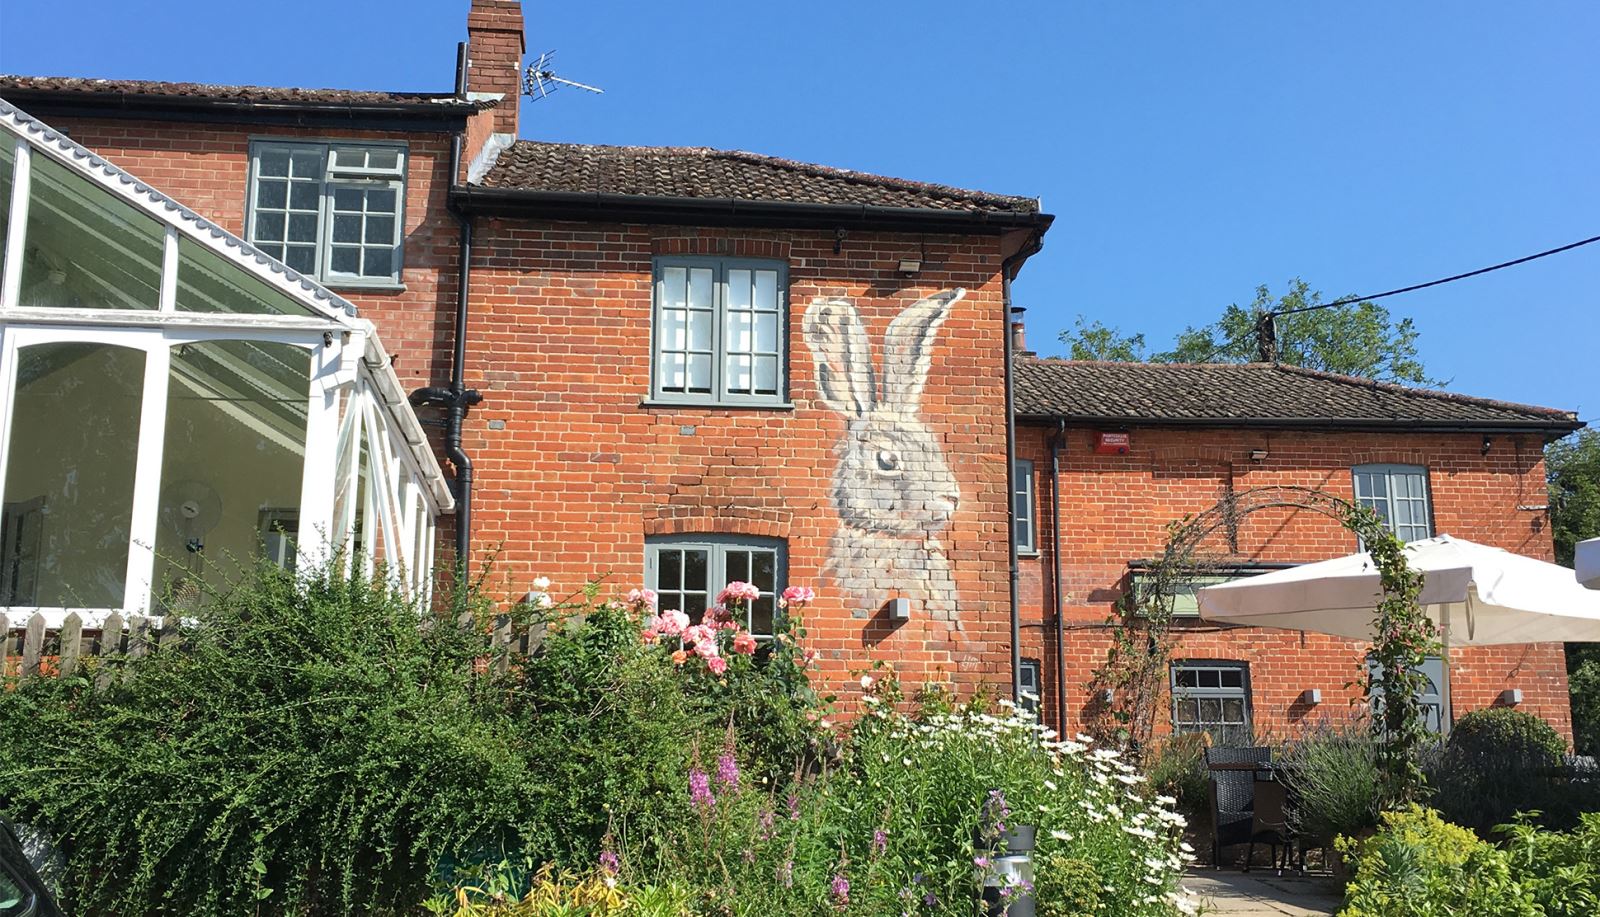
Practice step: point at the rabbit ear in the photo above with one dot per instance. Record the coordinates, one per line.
(844, 360)
(908, 347)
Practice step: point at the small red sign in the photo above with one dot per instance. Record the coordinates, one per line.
(1112, 443)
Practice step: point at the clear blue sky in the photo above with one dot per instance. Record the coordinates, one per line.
(1189, 150)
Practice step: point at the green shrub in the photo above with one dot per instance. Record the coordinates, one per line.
(1177, 768)
(1500, 762)
(1068, 887)
(1561, 871)
(1419, 865)
(1333, 774)
(308, 748)
(1504, 733)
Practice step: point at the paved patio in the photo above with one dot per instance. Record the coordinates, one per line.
(1262, 894)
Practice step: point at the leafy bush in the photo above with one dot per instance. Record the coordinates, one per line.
(1500, 762)
(1177, 768)
(308, 748)
(1332, 772)
(555, 893)
(1419, 865)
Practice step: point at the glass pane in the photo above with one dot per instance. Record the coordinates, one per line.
(738, 373)
(306, 163)
(347, 199)
(7, 167)
(273, 161)
(767, 375)
(1210, 678)
(671, 371)
(304, 195)
(383, 159)
(344, 260)
(378, 262)
(1233, 710)
(1187, 678)
(232, 463)
(738, 289)
(207, 282)
(68, 499)
(761, 612)
(302, 258)
(669, 576)
(346, 228)
(1378, 485)
(382, 200)
(1233, 678)
(1189, 711)
(700, 373)
(699, 329)
(767, 332)
(673, 287)
(738, 563)
(767, 290)
(765, 575)
(700, 288)
(738, 333)
(1210, 710)
(86, 248)
(302, 227)
(380, 229)
(272, 195)
(269, 227)
(694, 604)
(695, 573)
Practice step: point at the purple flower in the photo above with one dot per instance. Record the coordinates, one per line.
(786, 873)
(840, 889)
(728, 770)
(981, 862)
(766, 823)
(880, 840)
(930, 900)
(700, 789)
(609, 862)
(794, 807)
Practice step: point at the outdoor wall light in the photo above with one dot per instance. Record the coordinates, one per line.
(898, 609)
(1511, 697)
(910, 265)
(1258, 455)
(1488, 443)
(1311, 697)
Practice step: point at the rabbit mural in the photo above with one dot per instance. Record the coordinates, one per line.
(892, 488)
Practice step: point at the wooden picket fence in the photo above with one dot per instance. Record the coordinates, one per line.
(49, 652)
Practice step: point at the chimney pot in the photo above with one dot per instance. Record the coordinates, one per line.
(1019, 342)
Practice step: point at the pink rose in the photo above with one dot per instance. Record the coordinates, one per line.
(744, 643)
(717, 665)
(650, 635)
(674, 622)
(799, 595)
(738, 592)
(701, 634)
(679, 657)
(707, 650)
(642, 597)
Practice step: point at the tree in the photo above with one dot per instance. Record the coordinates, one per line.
(1357, 339)
(1572, 466)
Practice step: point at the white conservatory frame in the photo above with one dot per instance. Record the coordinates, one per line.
(353, 396)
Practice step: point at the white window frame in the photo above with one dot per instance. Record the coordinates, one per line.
(719, 395)
(334, 175)
(1023, 503)
(1219, 692)
(717, 548)
(1390, 501)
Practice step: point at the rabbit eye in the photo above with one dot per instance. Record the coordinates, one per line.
(888, 461)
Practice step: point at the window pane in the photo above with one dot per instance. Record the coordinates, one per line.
(738, 289)
(738, 373)
(1187, 678)
(302, 227)
(738, 566)
(1233, 710)
(302, 258)
(68, 499)
(765, 574)
(382, 200)
(209, 283)
(1233, 678)
(343, 260)
(674, 289)
(767, 332)
(269, 228)
(761, 616)
(306, 162)
(699, 330)
(700, 373)
(766, 375)
(766, 296)
(7, 167)
(347, 228)
(273, 161)
(700, 288)
(380, 229)
(232, 464)
(696, 573)
(87, 248)
(378, 262)
(303, 195)
(272, 195)
(669, 573)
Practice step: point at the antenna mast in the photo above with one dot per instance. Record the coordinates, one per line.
(540, 80)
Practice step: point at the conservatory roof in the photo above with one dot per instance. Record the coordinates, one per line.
(322, 304)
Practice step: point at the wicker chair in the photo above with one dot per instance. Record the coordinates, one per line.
(1269, 825)
(1233, 797)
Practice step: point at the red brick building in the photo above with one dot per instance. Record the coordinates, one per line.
(682, 366)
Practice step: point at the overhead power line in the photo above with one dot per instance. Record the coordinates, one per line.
(1266, 331)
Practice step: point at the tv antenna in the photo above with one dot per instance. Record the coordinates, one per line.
(539, 80)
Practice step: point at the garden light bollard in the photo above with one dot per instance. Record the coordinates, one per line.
(1008, 881)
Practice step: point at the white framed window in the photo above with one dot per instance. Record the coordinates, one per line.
(687, 572)
(333, 211)
(1212, 696)
(719, 331)
(1029, 676)
(1399, 495)
(1022, 502)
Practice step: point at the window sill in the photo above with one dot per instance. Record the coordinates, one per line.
(716, 405)
(1028, 555)
(363, 287)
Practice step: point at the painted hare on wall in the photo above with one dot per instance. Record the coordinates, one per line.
(892, 488)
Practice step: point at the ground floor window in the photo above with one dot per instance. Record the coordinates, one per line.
(1212, 697)
(1032, 685)
(1431, 699)
(687, 572)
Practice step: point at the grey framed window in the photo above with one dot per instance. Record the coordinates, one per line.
(1023, 507)
(687, 572)
(1032, 685)
(719, 331)
(1212, 697)
(1399, 495)
(1184, 593)
(1430, 698)
(333, 211)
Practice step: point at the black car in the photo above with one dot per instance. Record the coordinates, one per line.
(22, 894)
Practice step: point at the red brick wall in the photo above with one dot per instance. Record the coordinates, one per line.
(574, 473)
(207, 167)
(1116, 508)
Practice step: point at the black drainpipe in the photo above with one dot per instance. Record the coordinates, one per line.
(1008, 270)
(1056, 445)
(456, 398)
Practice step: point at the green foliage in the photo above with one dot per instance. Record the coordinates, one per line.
(1177, 768)
(1094, 341)
(308, 748)
(1572, 467)
(496, 892)
(1403, 638)
(1067, 886)
(1419, 865)
(1583, 680)
(1334, 772)
(1501, 762)
(1506, 733)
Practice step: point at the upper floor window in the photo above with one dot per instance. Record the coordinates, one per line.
(1214, 698)
(1399, 495)
(1022, 501)
(333, 211)
(719, 330)
(687, 572)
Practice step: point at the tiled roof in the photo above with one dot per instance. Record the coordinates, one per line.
(1255, 394)
(154, 90)
(699, 172)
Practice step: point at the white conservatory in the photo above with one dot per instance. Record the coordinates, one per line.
(174, 403)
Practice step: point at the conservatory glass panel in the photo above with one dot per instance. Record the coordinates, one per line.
(86, 248)
(209, 283)
(231, 467)
(68, 500)
(7, 167)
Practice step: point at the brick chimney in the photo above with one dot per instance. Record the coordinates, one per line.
(495, 46)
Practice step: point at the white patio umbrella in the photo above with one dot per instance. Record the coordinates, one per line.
(1476, 595)
(1589, 563)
